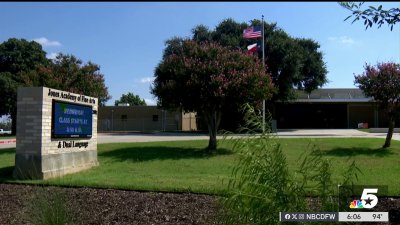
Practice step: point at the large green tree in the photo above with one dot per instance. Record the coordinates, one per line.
(23, 63)
(292, 62)
(204, 77)
(382, 82)
(130, 98)
(17, 56)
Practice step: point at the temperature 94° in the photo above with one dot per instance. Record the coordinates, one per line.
(377, 216)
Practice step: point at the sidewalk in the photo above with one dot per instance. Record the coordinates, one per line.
(103, 138)
(332, 133)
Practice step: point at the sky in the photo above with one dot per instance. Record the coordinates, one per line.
(127, 39)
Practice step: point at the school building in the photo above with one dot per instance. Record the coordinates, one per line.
(328, 108)
(143, 118)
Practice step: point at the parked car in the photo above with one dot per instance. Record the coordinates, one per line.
(2, 132)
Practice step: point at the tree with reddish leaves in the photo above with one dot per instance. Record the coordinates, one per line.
(382, 82)
(293, 63)
(204, 77)
(68, 73)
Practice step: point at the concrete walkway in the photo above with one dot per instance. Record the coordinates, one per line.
(332, 133)
(290, 133)
(119, 138)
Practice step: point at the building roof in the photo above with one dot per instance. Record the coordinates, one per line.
(333, 95)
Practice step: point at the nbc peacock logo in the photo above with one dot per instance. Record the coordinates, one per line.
(356, 204)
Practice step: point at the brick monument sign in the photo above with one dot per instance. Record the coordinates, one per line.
(56, 133)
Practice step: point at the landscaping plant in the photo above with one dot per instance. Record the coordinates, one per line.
(261, 185)
(49, 208)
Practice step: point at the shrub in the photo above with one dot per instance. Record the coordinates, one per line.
(49, 208)
(261, 185)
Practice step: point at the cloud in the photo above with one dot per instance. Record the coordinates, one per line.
(52, 55)
(343, 40)
(150, 101)
(346, 40)
(146, 80)
(47, 43)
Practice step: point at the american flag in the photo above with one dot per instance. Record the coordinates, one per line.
(252, 32)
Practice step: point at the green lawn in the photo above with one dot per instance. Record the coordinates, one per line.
(366, 130)
(378, 166)
(7, 137)
(184, 166)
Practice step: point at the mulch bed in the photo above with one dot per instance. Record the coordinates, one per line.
(106, 206)
(90, 206)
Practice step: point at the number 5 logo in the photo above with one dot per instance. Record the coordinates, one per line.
(369, 200)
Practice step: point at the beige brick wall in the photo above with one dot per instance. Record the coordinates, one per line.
(38, 154)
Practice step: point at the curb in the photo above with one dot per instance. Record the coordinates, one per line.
(7, 141)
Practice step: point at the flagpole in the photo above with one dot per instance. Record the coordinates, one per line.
(263, 61)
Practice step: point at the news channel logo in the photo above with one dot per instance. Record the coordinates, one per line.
(368, 199)
(362, 197)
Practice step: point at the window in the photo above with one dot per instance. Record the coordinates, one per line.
(155, 118)
(124, 118)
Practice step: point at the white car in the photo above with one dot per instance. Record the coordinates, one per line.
(4, 131)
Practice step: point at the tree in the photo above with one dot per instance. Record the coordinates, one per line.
(131, 99)
(6, 123)
(24, 64)
(72, 75)
(372, 15)
(382, 82)
(204, 77)
(292, 62)
(68, 73)
(16, 57)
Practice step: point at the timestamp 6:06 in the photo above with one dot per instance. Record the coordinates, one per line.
(354, 216)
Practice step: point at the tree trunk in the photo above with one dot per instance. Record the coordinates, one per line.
(213, 118)
(212, 142)
(390, 132)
